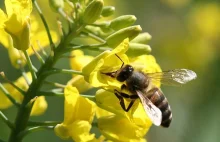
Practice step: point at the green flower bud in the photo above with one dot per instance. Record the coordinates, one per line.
(142, 38)
(93, 11)
(137, 49)
(116, 38)
(108, 11)
(122, 22)
(56, 4)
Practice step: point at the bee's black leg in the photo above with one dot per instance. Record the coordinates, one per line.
(124, 87)
(121, 100)
(130, 105)
(121, 97)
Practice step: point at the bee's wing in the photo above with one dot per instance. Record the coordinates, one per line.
(173, 77)
(152, 111)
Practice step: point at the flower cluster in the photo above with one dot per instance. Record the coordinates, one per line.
(113, 122)
(95, 47)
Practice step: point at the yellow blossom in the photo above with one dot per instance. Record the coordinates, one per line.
(18, 13)
(112, 116)
(77, 62)
(36, 37)
(78, 116)
(109, 62)
(116, 124)
(40, 104)
(106, 62)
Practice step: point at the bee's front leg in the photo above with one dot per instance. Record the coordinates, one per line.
(121, 97)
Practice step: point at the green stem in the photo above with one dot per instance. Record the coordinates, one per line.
(92, 98)
(48, 93)
(34, 129)
(66, 71)
(93, 36)
(5, 119)
(25, 75)
(55, 84)
(33, 74)
(62, 13)
(38, 56)
(2, 88)
(46, 26)
(91, 47)
(45, 123)
(11, 83)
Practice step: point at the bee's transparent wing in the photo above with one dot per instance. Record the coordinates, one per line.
(152, 111)
(173, 77)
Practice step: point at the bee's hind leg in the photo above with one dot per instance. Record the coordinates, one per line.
(121, 97)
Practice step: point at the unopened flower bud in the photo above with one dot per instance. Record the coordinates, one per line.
(93, 11)
(16, 57)
(108, 11)
(116, 38)
(122, 22)
(142, 38)
(21, 40)
(137, 49)
(56, 4)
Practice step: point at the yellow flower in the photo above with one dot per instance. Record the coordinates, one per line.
(116, 124)
(39, 106)
(37, 35)
(18, 13)
(78, 116)
(106, 62)
(78, 61)
(109, 62)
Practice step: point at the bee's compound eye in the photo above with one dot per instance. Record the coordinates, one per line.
(125, 73)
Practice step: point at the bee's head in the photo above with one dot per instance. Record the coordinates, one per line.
(125, 73)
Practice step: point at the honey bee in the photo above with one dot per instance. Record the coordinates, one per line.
(141, 85)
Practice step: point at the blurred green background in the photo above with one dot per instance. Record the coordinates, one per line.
(185, 34)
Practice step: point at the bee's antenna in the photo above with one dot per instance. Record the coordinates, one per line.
(120, 59)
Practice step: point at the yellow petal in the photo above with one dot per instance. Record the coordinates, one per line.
(77, 107)
(10, 25)
(80, 131)
(39, 107)
(79, 82)
(3, 19)
(22, 8)
(92, 65)
(16, 57)
(4, 101)
(118, 128)
(4, 38)
(62, 131)
(79, 60)
(106, 62)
